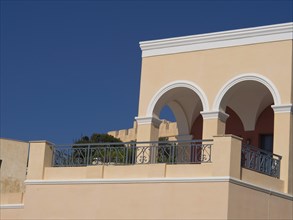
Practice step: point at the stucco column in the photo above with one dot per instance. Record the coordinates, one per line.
(226, 156)
(214, 123)
(147, 130)
(40, 156)
(283, 143)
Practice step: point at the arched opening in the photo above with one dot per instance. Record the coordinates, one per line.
(248, 104)
(167, 114)
(168, 128)
(186, 106)
(261, 136)
(186, 100)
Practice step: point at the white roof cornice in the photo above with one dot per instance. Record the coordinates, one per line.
(262, 34)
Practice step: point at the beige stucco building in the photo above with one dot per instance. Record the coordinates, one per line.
(231, 94)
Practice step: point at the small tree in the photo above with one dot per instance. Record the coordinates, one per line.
(97, 138)
(101, 153)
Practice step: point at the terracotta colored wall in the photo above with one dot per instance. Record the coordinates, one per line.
(196, 129)
(264, 125)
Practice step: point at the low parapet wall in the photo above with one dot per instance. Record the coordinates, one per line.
(133, 191)
(167, 129)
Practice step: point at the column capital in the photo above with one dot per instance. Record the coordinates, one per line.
(285, 108)
(215, 115)
(148, 120)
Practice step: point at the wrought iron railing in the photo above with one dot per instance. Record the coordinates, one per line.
(170, 152)
(261, 161)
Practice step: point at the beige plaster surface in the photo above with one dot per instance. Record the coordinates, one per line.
(166, 129)
(137, 171)
(12, 214)
(246, 203)
(211, 69)
(189, 170)
(283, 142)
(149, 200)
(14, 156)
(127, 201)
(259, 179)
(40, 157)
(63, 173)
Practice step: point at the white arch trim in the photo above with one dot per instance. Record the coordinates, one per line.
(245, 77)
(178, 84)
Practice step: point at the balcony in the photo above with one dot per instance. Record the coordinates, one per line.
(169, 152)
(166, 152)
(222, 158)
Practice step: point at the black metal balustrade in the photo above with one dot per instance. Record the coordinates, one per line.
(170, 152)
(261, 161)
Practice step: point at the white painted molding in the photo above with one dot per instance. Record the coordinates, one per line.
(178, 84)
(148, 120)
(247, 77)
(11, 206)
(125, 181)
(215, 115)
(238, 37)
(160, 180)
(283, 108)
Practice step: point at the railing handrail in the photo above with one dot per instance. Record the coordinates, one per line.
(257, 149)
(260, 160)
(131, 143)
(173, 152)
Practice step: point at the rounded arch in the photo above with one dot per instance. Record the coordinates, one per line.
(181, 119)
(247, 77)
(178, 84)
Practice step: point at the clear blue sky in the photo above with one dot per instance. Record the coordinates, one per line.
(73, 67)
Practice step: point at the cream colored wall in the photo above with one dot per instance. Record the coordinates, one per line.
(125, 135)
(127, 201)
(166, 129)
(14, 155)
(12, 213)
(40, 157)
(149, 200)
(247, 203)
(130, 171)
(259, 179)
(211, 69)
(283, 145)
